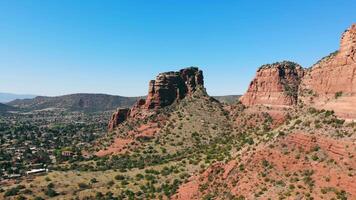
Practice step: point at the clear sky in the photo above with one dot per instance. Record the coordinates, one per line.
(54, 47)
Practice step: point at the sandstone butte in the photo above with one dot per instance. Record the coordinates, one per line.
(329, 84)
(167, 88)
(275, 84)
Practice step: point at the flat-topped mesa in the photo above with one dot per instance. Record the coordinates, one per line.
(274, 85)
(167, 88)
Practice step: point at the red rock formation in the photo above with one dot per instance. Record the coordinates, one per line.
(171, 86)
(168, 88)
(118, 117)
(331, 82)
(336, 72)
(275, 84)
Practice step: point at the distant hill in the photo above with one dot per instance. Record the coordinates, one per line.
(76, 102)
(229, 99)
(7, 97)
(4, 108)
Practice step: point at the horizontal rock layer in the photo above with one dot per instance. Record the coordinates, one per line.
(166, 89)
(336, 72)
(274, 84)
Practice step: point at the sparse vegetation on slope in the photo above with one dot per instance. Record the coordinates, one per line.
(310, 156)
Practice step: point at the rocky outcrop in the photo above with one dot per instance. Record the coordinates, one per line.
(331, 82)
(336, 72)
(274, 85)
(118, 117)
(171, 86)
(167, 88)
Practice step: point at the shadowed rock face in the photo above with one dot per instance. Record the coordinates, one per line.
(275, 84)
(118, 117)
(167, 88)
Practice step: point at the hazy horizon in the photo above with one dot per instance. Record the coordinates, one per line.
(36, 95)
(52, 48)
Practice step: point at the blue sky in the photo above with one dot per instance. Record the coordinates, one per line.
(58, 47)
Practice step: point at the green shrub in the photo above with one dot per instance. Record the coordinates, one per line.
(83, 186)
(51, 192)
(338, 94)
(12, 192)
(119, 177)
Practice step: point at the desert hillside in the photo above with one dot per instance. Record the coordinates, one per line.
(292, 135)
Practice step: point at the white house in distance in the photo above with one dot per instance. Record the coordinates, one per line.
(36, 171)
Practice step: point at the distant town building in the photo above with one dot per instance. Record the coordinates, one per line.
(67, 153)
(36, 171)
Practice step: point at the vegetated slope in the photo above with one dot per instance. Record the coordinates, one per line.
(5, 108)
(149, 158)
(76, 102)
(309, 153)
(310, 156)
(198, 116)
(155, 149)
(179, 143)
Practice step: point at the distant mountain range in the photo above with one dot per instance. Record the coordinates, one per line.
(75, 102)
(229, 99)
(7, 97)
(79, 102)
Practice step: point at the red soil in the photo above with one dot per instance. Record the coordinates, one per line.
(228, 178)
(120, 145)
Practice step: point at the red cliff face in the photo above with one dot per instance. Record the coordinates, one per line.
(336, 72)
(168, 88)
(274, 85)
(172, 86)
(331, 83)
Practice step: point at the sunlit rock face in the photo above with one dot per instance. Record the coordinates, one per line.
(167, 88)
(274, 84)
(331, 82)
